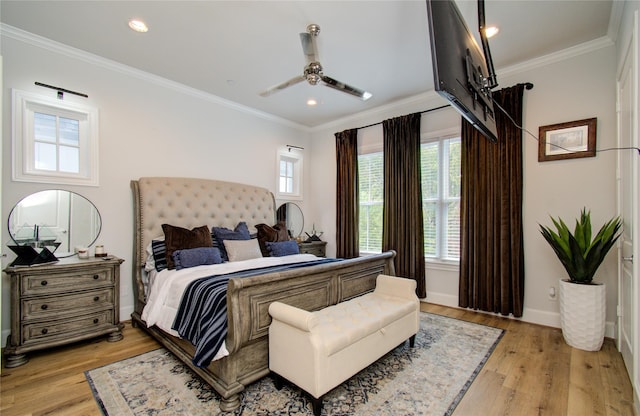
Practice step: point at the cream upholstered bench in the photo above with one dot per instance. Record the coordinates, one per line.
(319, 350)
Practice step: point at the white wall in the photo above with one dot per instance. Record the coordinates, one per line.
(148, 127)
(571, 86)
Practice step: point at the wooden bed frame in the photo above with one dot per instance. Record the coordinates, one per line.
(188, 203)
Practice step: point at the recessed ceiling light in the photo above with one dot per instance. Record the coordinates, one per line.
(311, 102)
(491, 31)
(138, 25)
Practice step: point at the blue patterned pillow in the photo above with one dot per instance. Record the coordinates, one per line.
(199, 256)
(159, 249)
(283, 248)
(241, 232)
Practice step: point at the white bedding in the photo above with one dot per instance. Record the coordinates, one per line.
(167, 287)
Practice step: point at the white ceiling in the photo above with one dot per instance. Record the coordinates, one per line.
(236, 49)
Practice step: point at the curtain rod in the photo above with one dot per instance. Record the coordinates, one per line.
(527, 85)
(422, 112)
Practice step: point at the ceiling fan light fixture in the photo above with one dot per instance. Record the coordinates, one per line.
(138, 25)
(313, 79)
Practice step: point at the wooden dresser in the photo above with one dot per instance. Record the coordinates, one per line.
(68, 301)
(317, 248)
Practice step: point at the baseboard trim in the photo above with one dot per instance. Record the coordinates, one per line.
(532, 316)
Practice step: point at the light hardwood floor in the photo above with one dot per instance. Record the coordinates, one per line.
(531, 372)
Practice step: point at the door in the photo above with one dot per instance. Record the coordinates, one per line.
(628, 290)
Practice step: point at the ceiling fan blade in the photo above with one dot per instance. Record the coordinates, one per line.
(282, 86)
(341, 86)
(309, 47)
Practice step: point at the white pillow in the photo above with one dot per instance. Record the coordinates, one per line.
(238, 250)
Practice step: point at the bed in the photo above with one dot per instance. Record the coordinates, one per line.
(192, 202)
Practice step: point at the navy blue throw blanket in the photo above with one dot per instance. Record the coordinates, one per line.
(202, 315)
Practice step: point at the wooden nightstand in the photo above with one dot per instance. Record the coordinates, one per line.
(317, 248)
(56, 304)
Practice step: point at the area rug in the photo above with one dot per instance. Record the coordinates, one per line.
(429, 379)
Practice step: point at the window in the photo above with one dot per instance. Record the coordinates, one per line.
(440, 165)
(289, 175)
(54, 141)
(370, 188)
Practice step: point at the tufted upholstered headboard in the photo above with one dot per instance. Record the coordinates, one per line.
(192, 202)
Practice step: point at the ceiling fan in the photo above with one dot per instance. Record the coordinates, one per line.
(313, 70)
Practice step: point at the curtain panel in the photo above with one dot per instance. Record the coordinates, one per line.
(402, 228)
(348, 209)
(492, 253)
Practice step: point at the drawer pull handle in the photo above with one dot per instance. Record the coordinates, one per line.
(96, 277)
(97, 298)
(44, 283)
(44, 331)
(96, 320)
(44, 307)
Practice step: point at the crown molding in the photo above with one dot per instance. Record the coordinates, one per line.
(99, 61)
(384, 111)
(581, 49)
(381, 111)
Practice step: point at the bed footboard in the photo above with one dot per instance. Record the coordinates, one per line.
(248, 301)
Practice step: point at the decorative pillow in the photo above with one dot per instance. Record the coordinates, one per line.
(273, 234)
(238, 250)
(159, 250)
(178, 238)
(241, 232)
(283, 248)
(199, 256)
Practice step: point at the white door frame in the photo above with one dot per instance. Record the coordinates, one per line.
(632, 362)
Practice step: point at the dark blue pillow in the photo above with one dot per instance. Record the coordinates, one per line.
(159, 249)
(241, 232)
(283, 248)
(199, 256)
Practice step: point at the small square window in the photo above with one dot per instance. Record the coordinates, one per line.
(289, 176)
(54, 141)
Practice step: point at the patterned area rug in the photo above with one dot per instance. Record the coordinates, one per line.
(429, 379)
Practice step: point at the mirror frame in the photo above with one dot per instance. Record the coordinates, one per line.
(288, 205)
(71, 251)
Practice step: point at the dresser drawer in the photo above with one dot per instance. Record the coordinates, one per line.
(315, 248)
(67, 328)
(52, 307)
(38, 284)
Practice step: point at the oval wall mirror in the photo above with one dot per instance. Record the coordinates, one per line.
(55, 218)
(291, 214)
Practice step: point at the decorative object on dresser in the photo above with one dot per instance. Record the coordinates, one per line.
(192, 202)
(56, 304)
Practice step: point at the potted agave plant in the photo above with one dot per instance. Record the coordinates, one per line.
(582, 301)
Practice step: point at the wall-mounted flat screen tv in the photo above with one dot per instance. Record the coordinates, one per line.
(459, 66)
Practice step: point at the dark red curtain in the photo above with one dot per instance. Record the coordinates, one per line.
(348, 209)
(402, 228)
(492, 254)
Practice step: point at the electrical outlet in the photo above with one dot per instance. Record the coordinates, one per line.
(552, 293)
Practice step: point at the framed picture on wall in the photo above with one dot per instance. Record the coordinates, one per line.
(567, 140)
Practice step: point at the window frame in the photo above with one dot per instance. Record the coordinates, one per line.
(289, 155)
(24, 106)
(445, 263)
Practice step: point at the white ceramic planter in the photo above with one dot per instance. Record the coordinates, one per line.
(582, 314)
